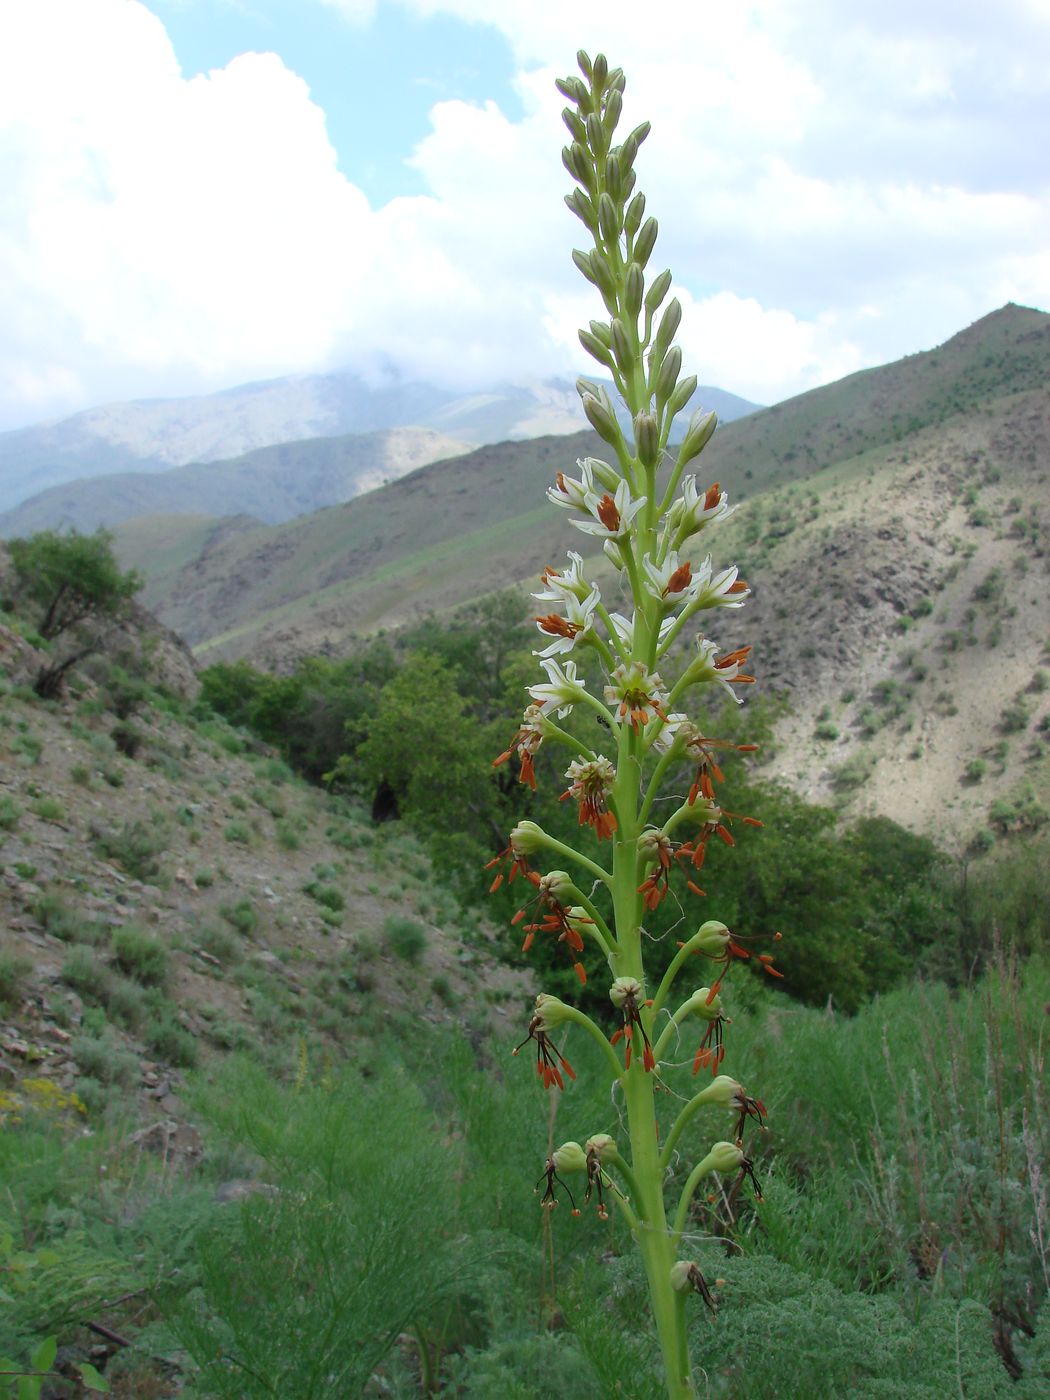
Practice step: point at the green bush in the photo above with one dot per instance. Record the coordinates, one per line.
(405, 937)
(242, 916)
(134, 847)
(13, 972)
(238, 832)
(140, 955)
(10, 813)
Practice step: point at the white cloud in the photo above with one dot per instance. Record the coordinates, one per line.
(831, 192)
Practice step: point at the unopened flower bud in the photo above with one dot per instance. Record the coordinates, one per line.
(608, 217)
(575, 123)
(602, 472)
(601, 420)
(621, 345)
(623, 990)
(613, 109)
(557, 883)
(613, 176)
(596, 134)
(682, 394)
(596, 349)
(612, 553)
(633, 289)
(646, 241)
(697, 435)
(633, 216)
(682, 1276)
(570, 1157)
(668, 376)
(583, 59)
(602, 1146)
(599, 70)
(583, 262)
(669, 323)
(658, 290)
(583, 208)
(647, 439)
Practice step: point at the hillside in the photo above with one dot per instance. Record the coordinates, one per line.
(152, 435)
(171, 892)
(876, 510)
(275, 483)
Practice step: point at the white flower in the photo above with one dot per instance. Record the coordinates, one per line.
(569, 583)
(671, 582)
(578, 620)
(722, 590)
(673, 726)
(563, 690)
(637, 695)
(691, 511)
(726, 671)
(612, 515)
(570, 493)
(624, 629)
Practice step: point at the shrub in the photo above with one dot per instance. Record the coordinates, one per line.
(853, 772)
(326, 895)
(10, 813)
(172, 1042)
(105, 1059)
(975, 770)
(87, 974)
(140, 955)
(127, 737)
(827, 730)
(49, 809)
(13, 972)
(134, 847)
(287, 835)
(239, 833)
(62, 922)
(241, 916)
(405, 937)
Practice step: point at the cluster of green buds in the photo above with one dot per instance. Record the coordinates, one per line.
(647, 513)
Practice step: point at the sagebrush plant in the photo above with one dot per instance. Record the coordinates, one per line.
(648, 515)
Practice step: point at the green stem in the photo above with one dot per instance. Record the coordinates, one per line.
(551, 843)
(702, 1169)
(580, 1018)
(682, 1122)
(603, 935)
(673, 969)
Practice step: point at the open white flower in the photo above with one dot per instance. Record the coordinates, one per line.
(611, 515)
(563, 691)
(691, 511)
(568, 583)
(577, 622)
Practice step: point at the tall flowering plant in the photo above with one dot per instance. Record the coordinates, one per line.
(648, 515)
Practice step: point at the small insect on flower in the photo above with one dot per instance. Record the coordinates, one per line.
(549, 1059)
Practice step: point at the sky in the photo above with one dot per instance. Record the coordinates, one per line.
(201, 193)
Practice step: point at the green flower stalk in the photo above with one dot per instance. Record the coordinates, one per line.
(646, 513)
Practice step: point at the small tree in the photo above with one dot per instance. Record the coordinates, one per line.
(75, 580)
